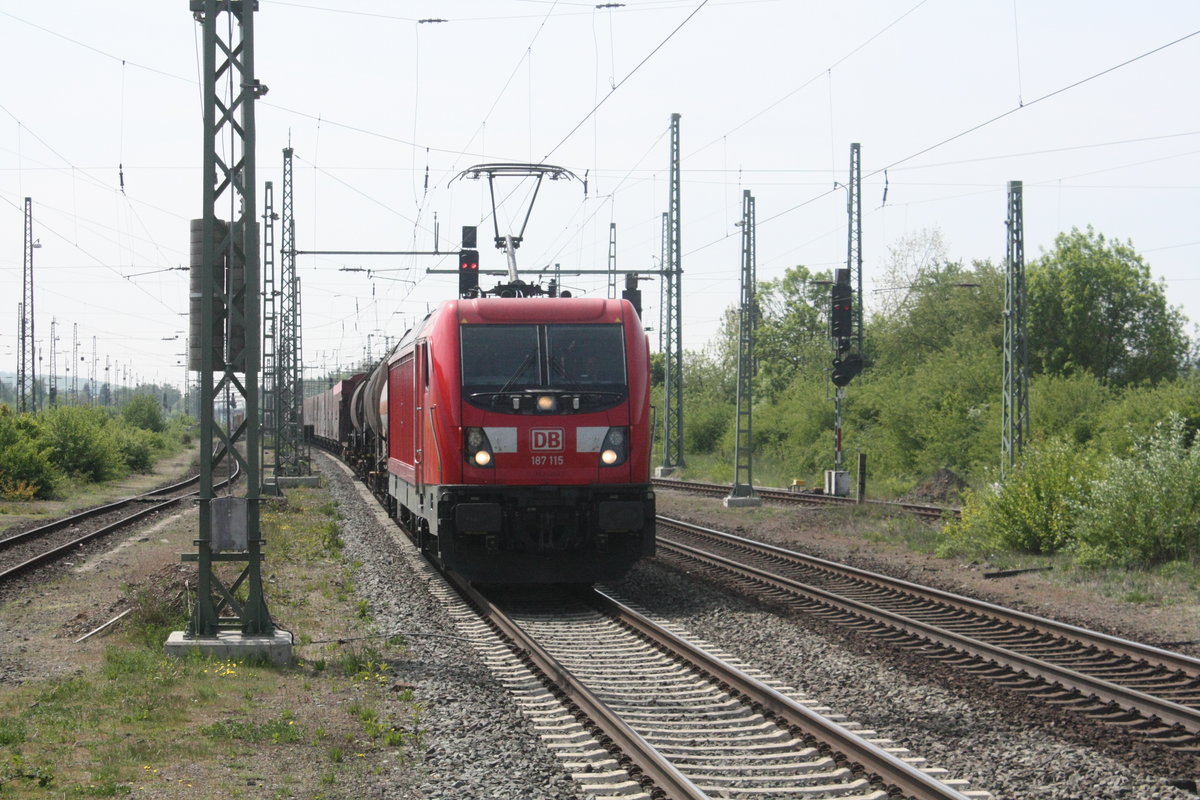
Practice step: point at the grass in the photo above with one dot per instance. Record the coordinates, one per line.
(197, 727)
(877, 524)
(1176, 583)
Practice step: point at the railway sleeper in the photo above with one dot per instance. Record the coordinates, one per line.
(718, 784)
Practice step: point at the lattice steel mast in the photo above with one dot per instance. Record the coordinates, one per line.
(673, 276)
(225, 337)
(52, 394)
(854, 240)
(270, 430)
(743, 492)
(291, 453)
(74, 363)
(1015, 427)
(662, 283)
(27, 363)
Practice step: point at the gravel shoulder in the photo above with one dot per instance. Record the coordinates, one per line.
(834, 536)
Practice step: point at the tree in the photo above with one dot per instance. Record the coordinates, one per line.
(1092, 306)
(943, 302)
(792, 333)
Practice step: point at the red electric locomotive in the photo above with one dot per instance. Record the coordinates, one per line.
(518, 438)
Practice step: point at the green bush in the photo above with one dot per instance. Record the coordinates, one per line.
(705, 423)
(143, 411)
(1032, 511)
(1146, 510)
(138, 447)
(181, 429)
(81, 442)
(1068, 407)
(1138, 409)
(26, 471)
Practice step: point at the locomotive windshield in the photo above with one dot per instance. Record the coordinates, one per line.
(501, 364)
(500, 358)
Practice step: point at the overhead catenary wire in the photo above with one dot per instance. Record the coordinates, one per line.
(629, 75)
(966, 132)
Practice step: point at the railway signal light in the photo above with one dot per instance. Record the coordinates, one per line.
(632, 293)
(840, 318)
(468, 273)
(844, 369)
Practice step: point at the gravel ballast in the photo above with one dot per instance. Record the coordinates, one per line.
(478, 745)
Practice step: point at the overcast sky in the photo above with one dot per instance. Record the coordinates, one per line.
(1093, 105)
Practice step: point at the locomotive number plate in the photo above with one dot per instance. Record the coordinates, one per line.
(546, 461)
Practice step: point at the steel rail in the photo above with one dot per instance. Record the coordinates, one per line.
(1165, 711)
(67, 522)
(804, 498)
(872, 759)
(661, 772)
(1126, 647)
(53, 553)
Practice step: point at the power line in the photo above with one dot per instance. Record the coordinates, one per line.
(621, 83)
(1046, 96)
(811, 80)
(969, 131)
(97, 50)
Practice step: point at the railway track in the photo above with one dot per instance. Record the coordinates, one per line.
(804, 498)
(1151, 692)
(650, 714)
(22, 552)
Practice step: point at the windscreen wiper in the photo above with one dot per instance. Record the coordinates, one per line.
(520, 370)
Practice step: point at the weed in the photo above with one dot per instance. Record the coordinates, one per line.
(106, 788)
(331, 537)
(15, 770)
(278, 731)
(365, 664)
(12, 731)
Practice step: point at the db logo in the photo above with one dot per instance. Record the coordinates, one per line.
(546, 439)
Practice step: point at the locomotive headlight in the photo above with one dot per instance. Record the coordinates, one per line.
(478, 447)
(615, 448)
(547, 402)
